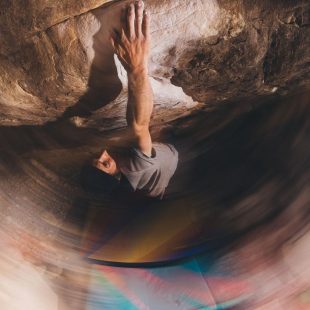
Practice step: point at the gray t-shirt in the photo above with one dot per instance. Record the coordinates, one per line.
(150, 174)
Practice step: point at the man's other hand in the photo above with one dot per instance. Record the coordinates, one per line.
(132, 43)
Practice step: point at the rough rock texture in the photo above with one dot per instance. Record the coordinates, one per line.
(260, 47)
(55, 58)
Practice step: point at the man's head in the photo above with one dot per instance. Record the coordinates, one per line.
(101, 176)
(106, 163)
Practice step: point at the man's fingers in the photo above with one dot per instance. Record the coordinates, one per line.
(118, 46)
(139, 17)
(131, 21)
(146, 25)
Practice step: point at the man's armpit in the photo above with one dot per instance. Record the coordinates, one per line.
(144, 142)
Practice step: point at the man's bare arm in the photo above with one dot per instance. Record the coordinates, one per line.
(139, 109)
(132, 48)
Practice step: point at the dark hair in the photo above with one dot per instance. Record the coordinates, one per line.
(96, 181)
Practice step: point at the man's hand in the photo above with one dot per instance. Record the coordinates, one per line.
(132, 44)
(132, 47)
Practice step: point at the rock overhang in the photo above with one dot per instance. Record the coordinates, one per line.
(57, 58)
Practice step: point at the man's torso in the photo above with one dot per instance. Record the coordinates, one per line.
(150, 174)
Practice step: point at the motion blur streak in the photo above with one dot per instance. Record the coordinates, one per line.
(237, 210)
(23, 285)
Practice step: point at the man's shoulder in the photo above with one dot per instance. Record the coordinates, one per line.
(165, 151)
(136, 161)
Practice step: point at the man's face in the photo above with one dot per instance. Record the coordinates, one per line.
(106, 163)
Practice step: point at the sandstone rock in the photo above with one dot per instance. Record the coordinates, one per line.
(254, 53)
(56, 60)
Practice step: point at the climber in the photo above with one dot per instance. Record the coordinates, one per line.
(146, 166)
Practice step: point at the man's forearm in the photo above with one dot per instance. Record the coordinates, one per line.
(140, 99)
(132, 46)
